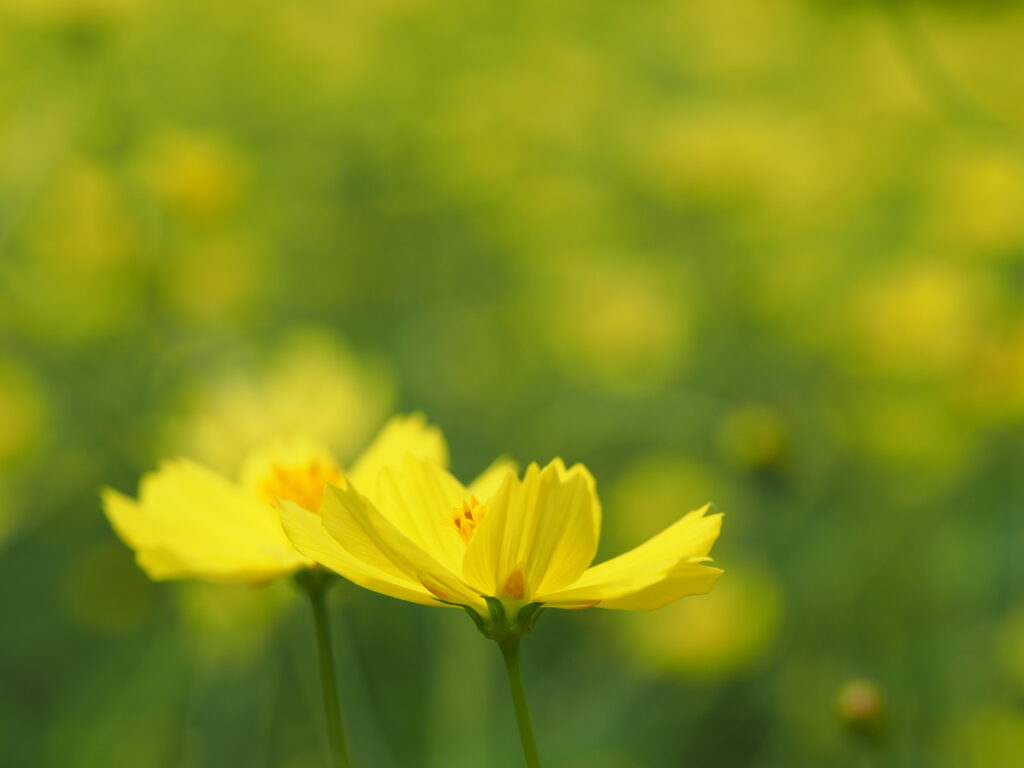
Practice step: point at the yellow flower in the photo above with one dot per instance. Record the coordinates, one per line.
(199, 177)
(191, 522)
(312, 383)
(502, 544)
(728, 632)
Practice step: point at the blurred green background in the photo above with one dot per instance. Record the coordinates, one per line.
(769, 254)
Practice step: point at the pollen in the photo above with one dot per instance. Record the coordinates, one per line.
(467, 517)
(303, 483)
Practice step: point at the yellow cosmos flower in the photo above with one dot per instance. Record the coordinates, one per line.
(503, 543)
(503, 549)
(190, 522)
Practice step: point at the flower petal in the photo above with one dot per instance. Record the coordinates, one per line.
(660, 570)
(683, 580)
(162, 564)
(419, 501)
(401, 436)
(367, 535)
(306, 531)
(191, 522)
(595, 507)
(538, 534)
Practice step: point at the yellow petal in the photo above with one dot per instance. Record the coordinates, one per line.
(401, 436)
(691, 536)
(538, 534)
(595, 507)
(127, 520)
(164, 564)
(353, 520)
(660, 570)
(308, 535)
(419, 501)
(683, 580)
(190, 522)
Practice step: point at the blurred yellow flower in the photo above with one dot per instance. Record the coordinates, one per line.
(191, 522)
(426, 538)
(22, 411)
(313, 385)
(920, 436)
(980, 203)
(711, 639)
(639, 338)
(197, 176)
(85, 223)
(921, 319)
(718, 159)
(746, 160)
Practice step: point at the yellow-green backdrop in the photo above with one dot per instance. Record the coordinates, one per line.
(766, 254)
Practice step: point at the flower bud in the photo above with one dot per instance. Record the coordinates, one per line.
(860, 706)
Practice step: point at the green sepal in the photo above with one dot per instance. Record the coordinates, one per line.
(497, 626)
(528, 615)
(497, 611)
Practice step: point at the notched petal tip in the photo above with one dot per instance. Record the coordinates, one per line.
(567, 471)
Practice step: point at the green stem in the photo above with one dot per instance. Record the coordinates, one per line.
(510, 652)
(316, 588)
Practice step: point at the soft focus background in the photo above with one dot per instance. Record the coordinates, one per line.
(769, 254)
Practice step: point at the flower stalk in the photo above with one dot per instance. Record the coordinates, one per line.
(510, 652)
(315, 582)
(507, 633)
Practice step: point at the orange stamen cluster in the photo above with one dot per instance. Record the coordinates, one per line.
(467, 517)
(303, 484)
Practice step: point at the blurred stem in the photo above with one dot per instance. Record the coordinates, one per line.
(315, 583)
(510, 651)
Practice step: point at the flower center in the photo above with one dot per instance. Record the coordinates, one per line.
(467, 517)
(301, 483)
